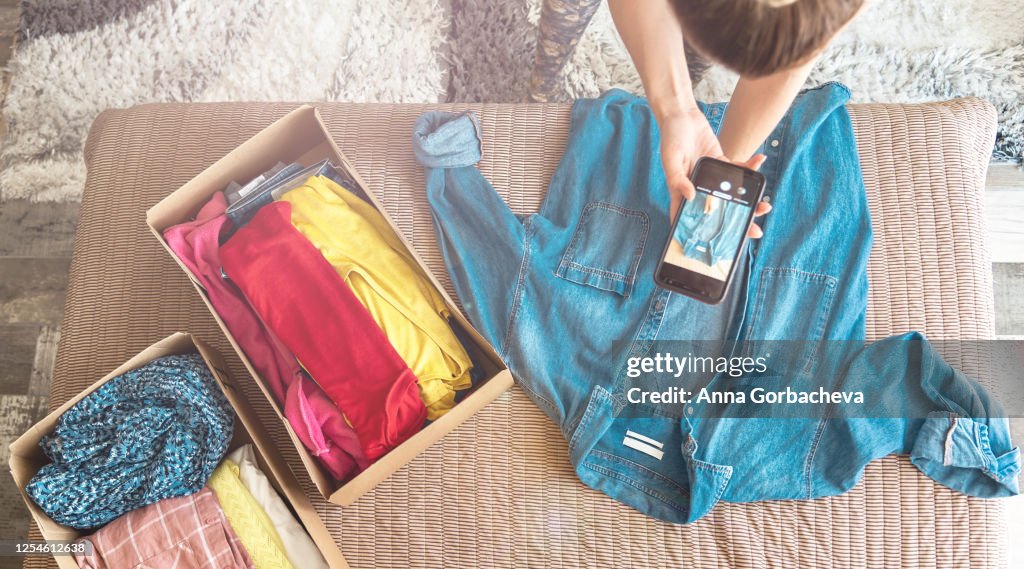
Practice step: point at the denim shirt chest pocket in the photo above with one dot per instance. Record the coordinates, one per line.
(791, 304)
(606, 248)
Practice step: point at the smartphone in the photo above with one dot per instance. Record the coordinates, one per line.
(710, 231)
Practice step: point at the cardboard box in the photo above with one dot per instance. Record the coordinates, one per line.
(27, 458)
(301, 137)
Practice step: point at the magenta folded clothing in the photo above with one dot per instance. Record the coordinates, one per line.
(318, 423)
(322, 428)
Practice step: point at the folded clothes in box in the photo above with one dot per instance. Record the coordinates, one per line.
(365, 359)
(163, 454)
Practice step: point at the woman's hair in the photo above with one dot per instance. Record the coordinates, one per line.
(759, 37)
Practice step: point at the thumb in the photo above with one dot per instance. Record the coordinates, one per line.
(679, 183)
(677, 173)
(684, 190)
(755, 162)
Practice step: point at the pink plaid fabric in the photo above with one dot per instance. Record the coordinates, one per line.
(189, 532)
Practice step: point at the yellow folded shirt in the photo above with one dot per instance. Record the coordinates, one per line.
(369, 256)
(250, 522)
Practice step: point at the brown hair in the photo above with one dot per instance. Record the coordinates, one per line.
(758, 37)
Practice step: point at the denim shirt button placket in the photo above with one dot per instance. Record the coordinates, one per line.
(771, 152)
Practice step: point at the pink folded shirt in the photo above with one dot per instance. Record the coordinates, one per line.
(307, 407)
(317, 422)
(188, 532)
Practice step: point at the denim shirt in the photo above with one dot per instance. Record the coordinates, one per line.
(566, 295)
(709, 236)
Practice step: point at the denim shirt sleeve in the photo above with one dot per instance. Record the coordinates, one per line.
(477, 232)
(954, 431)
(968, 455)
(964, 443)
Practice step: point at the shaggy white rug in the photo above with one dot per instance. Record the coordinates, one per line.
(78, 57)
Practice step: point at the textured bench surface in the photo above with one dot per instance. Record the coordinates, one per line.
(499, 491)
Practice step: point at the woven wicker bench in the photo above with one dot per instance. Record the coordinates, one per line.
(502, 482)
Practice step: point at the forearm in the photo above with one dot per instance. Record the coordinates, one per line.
(654, 39)
(756, 107)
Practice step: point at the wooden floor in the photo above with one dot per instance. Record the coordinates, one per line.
(35, 252)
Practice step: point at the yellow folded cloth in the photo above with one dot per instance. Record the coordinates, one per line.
(298, 546)
(247, 518)
(369, 256)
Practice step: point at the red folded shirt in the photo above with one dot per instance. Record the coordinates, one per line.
(305, 302)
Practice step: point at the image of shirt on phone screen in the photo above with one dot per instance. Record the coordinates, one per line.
(707, 235)
(700, 255)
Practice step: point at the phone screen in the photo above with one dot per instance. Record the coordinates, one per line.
(709, 229)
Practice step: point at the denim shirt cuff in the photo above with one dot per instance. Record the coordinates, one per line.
(446, 140)
(953, 450)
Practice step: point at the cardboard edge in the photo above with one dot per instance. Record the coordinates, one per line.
(171, 205)
(421, 441)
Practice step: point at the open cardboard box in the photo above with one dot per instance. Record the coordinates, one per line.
(27, 458)
(300, 136)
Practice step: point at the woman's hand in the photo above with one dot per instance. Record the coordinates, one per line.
(686, 137)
